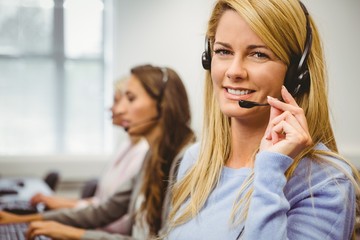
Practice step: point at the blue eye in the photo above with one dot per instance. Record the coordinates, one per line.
(222, 52)
(260, 55)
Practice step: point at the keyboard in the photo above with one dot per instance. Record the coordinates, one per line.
(16, 231)
(21, 207)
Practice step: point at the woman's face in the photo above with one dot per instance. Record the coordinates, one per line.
(139, 112)
(243, 67)
(115, 109)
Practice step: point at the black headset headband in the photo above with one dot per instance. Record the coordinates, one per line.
(297, 79)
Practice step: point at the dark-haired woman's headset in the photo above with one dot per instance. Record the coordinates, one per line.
(297, 79)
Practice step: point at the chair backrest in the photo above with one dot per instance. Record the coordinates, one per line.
(52, 179)
(89, 188)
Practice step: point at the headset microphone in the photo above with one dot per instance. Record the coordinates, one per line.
(250, 104)
(142, 123)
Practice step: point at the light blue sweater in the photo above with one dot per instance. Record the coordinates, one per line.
(318, 202)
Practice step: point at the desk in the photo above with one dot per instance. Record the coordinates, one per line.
(26, 187)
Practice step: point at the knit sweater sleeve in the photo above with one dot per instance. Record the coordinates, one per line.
(326, 211)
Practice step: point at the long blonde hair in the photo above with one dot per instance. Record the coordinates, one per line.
(282, 27)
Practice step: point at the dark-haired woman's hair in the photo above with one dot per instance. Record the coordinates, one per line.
(165, 86)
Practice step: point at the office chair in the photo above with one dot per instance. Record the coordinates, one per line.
(89, 188)
(52, 179)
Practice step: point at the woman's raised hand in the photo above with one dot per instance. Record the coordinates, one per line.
(287, 132)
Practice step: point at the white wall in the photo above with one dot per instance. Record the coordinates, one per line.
(171, 33)
(338, 22)
(167, 33)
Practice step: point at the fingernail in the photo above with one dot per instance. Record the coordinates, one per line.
(283, 87)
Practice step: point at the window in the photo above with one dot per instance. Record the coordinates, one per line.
(52, 77)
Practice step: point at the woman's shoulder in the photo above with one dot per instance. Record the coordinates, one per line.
(191, 154)
(319, 173)
(325, 162)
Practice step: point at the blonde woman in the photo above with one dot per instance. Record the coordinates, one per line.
(269, 168)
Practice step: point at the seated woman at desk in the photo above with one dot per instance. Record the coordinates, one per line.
(125, 166)
(152, 109)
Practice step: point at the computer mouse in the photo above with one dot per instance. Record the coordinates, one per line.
(7, 191)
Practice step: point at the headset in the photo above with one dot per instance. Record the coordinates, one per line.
(297, 79)
(206, 55)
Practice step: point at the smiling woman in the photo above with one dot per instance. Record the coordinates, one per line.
(264, 171)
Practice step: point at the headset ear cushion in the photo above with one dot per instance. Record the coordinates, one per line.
(304, 79)
(206, 60)
(291, 81)
(297, 82)
(206, 55)
(297, 79)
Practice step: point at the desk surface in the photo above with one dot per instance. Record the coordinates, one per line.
(26, 187)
